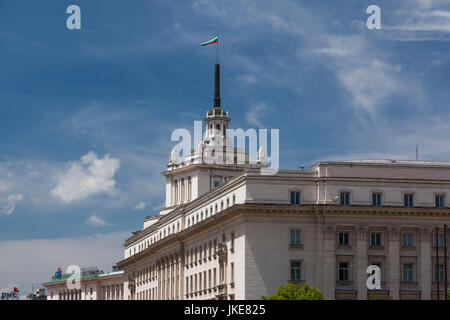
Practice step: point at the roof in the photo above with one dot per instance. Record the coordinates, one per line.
(413, 163)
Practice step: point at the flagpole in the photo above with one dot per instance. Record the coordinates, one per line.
(217, 49)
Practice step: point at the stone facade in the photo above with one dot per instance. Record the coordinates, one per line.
(228, 232)
(99, 286)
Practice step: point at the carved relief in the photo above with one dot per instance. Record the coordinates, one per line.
(329, 232)
(393, 233)
(361, 233)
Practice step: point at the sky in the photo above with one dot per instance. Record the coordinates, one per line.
(86, 115)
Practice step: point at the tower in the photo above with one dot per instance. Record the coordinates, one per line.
(217, 119)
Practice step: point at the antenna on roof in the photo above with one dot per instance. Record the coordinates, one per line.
(417, 152)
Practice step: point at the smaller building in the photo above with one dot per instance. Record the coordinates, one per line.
(94, 285)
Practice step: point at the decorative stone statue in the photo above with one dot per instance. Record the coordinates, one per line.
(262, 158)
(174, 158)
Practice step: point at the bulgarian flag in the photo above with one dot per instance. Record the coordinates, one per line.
(214, 40)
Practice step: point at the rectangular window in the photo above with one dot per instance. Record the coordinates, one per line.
(232, 242)
(345, 198)
(209, 278)
(295, 198)
(408, 272)
(440, 272)
(215, 277)
(376, 199)
(379, 265)
(343, 271)
(408, 240)
(296, 238)
(375, 239)
(232, 272)
(344, 238)
(440, 201)
(296, 270)
(187, 285)
(440, 240)
(408, 200)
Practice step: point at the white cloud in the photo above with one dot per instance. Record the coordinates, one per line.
(256, 113)
(34, 261)
(9, 204)
(87, 177)
(95, 221)
(420, 20)
(140, 206)
(370, 80)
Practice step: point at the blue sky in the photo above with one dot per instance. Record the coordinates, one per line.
(96, 107)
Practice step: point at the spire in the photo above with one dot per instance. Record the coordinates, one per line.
(217, 87)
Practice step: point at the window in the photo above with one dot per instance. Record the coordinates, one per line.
(376, 199)
(296, 237)
(296, 270)
(375, 239)
(345, 198)
(232, 242)
(209, 278)
(187, 285)
(232, 272)
(441, 273)
(440, 201)
(343, 271)
(408, 200)
(195, 283)
(379, 265)
(216, 183)
(440, 240)
(408, 272)
(204, 280)
(224, 237)
(234, 199)
(408, 240)
(344, 238)
(295, 198)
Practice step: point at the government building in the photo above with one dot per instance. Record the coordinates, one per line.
(94, 284)
(229, 232)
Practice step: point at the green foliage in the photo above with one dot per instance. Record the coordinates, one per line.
(292, 291)
(375, 297)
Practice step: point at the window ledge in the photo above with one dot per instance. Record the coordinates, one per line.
(296, 246)
(376, 247)
(296, 281)
(344, 246)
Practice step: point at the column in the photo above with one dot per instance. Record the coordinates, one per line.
(181, 283)
(329, 265)
(394, 262)
(425, 263)
(361, 262)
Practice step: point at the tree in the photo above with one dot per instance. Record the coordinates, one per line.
(375, 297)
(292, 291)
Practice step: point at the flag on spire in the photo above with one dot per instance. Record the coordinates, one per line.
(214, 40)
